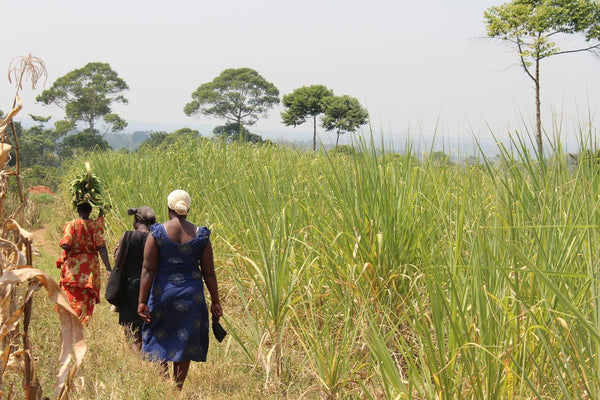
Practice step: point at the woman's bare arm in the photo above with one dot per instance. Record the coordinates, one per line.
(104, 256)
(207, 266)
(149, 267)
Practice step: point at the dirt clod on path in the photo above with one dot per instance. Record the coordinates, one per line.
(40, 189)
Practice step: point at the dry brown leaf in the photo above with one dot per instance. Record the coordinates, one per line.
(71, 336)
(11, 226)
(15, 362)
(4, 123)
(4, 153)
(4, 357)
(11, 323)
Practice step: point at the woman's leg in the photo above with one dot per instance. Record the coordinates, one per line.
(137, 339)
(180, 371)
(89, 303)
(134, 336)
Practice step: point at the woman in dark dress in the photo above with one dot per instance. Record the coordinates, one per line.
(143, 219)
(177, 257)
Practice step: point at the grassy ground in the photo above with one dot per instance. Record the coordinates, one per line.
(111, 369)
(371, 276)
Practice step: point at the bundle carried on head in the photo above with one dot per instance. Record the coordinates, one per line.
(86, 188)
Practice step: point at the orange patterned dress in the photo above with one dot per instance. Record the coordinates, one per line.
(80, 267)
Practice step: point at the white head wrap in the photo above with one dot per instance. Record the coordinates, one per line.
(179, 201)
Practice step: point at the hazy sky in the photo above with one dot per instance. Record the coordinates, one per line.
(414, 65)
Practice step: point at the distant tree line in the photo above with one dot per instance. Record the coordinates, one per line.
(239, 96)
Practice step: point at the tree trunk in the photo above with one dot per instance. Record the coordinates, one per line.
(337, 139)
(241, 135)
(538, 118)
(315, 133)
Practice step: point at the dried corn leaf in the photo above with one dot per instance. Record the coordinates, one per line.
(9, 253)
(4, 152)
(15, 362)
(5, 302)
(71, 336)
(11, 227)
(11, 323)
(4, 357)
(7, 120)
(64, 393)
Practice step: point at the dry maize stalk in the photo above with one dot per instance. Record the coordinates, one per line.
(16, 268)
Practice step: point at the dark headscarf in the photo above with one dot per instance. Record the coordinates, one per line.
(144, 215)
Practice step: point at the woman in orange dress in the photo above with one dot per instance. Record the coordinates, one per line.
(82, 241)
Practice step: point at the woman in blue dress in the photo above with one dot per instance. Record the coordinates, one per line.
(177, 256)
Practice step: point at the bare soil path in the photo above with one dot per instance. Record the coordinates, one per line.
(41, 243)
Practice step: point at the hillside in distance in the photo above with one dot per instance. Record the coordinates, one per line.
(129, 141)
(136, 132)
(457, 148)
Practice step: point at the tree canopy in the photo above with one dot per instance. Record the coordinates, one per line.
(86, 95)
(82, 141)
(239, 95)
(233, 132)
(38, 144)
(535, 27)
(163, 139)
(307, 101)
(343, 114)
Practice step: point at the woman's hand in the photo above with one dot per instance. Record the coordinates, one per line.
(144, 312)
(216, 310)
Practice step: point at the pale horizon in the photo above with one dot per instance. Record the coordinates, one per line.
(419, 69)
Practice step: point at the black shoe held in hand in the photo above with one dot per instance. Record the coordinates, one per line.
(218, 330)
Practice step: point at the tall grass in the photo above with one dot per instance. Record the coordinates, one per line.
(386, 276)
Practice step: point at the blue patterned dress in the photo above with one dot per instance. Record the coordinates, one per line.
(178, 330)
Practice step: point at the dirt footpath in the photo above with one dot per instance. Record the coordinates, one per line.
(41, 244)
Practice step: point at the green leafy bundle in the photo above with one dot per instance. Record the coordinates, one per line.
(86, 188)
